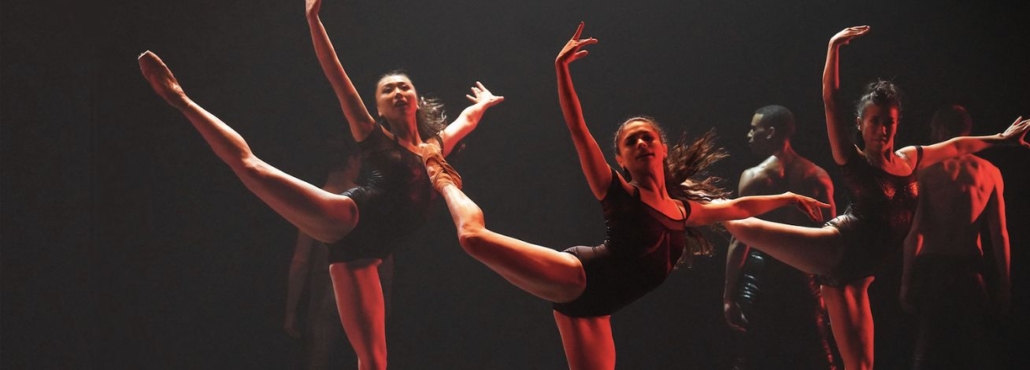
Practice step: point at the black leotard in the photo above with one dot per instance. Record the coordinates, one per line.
(392, 204)
(877, 220)
(642, 247)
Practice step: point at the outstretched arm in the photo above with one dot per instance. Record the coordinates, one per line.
(591, 159)
(836, 127)
(361, 123)
(469, 118)
(744, 207)
(1015, 135)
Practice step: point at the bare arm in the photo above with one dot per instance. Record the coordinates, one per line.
(736, 256)
(913, 243)
(482, 99)
(1014, 135)
(360, 121)
(836, 127)
(1000, 244)
(822, 190)
(591, 159)
(295, 281)
(744, 207)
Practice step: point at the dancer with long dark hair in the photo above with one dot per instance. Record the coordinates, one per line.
(363, 225)
(649, 210)
(881, 185)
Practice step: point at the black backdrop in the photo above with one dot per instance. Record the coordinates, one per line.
(127, 244)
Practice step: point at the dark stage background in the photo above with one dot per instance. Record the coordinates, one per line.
(127, 244)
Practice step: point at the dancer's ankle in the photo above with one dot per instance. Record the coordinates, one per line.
(440, 173)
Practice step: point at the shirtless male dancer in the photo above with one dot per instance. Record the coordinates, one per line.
(777, 309)
(943, 281)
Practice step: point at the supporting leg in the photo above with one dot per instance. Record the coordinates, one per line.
(852, 322)
(359, 299)
(587, 341)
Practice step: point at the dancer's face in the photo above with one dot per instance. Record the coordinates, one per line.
(759, 136)
(641, 147)
(396, 98)
(878, 125)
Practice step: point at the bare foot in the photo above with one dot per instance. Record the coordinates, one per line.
(440, 173)
(161, 80)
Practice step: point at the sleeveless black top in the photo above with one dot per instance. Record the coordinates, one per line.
(393, 202)
(642, 247)
(877, 219)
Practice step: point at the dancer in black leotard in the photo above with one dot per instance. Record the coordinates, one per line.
(880, 182)
(876, 221)
(378, 210)
(647, 212)
(642, 247)
(394, 200)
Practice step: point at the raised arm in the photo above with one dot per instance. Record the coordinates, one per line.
(360, 121)
(1015, 135)
(702, 213)
(591, 159)
(836, 125)
(481, 99)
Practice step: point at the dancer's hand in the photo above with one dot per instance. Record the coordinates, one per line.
(844, 36)
(811, 207)
(312, 6)
(1015, 135)
(734, 316)
(483, 97)
(572, 51)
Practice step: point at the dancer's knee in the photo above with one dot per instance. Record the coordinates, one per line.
(246, 165)
(472, 237)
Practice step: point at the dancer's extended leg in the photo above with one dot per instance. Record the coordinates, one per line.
(359, 299)
(541, 271)
(809, 249)
(325, 216)
(852, 322)
(587, 341)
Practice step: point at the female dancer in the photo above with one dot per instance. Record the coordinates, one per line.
(881, 184)
(647, 212)
(364, 224)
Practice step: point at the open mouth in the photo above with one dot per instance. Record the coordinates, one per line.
(645, 155)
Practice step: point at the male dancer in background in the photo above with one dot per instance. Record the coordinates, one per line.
(943, 281)
(777, 309)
